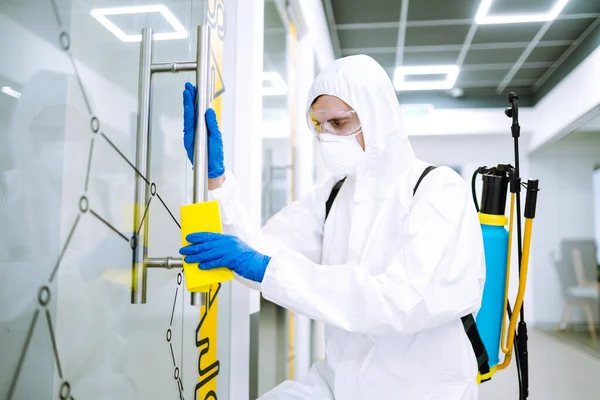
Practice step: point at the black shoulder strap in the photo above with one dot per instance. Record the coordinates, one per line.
(338, 186)
(478, 347)
(468, 321)
(423, 175)
(332, 196)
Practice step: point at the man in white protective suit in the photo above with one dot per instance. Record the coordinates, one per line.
(388, 272)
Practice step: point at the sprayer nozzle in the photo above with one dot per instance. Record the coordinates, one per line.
(512, 96)
(531, 198)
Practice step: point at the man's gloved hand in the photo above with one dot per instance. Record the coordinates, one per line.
(216, 167)
(214, 250)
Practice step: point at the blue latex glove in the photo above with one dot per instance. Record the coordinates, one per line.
(215, 250)
(216, 167)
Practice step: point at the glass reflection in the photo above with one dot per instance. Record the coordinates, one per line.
(66, 203)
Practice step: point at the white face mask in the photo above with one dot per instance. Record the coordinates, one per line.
(341, 154)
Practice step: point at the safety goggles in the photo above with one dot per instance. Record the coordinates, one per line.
(326, 125)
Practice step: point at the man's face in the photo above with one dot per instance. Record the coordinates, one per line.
(327, 102)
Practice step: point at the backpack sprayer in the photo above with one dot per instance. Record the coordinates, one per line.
(492, 318)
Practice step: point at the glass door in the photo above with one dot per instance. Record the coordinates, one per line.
(73, 322)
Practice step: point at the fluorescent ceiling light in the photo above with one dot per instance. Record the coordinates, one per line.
(277, 87)
(10, 91)
(101, 13)
(451, 72)
(482, 17)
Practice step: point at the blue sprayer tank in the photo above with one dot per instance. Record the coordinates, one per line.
(489, 318)
(495, 243)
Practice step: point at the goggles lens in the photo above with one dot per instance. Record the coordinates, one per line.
(334, 122)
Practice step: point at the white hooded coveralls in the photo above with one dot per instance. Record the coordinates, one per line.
(390, 275)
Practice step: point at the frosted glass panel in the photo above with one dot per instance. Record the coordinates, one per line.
(68, 121)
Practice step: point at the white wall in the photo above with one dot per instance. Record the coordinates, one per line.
(318, 33)
(468, 121)
(570, 103)
(240, 124)
(596, 198)
(465, 151)
(565, 209)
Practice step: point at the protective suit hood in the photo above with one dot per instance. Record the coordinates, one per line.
(365, 86)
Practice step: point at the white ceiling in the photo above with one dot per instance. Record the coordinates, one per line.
(592, 125)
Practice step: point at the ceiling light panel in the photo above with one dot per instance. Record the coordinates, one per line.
(10, 92)
(450, 71)
(102, 14)
(482, 17)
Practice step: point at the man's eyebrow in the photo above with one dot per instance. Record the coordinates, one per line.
(341, 117)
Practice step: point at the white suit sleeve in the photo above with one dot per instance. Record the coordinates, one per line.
(234, 217)
(436, 277)
(296, 228)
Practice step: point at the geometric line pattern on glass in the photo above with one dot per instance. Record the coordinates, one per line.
(44, 292)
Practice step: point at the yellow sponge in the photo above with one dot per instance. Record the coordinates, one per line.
(201, 217)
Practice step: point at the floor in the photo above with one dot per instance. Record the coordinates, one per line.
(559, 370)
(580, 338)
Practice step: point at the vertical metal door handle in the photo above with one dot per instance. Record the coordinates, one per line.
(200, 138)
(140, 260)
(200, 142)
(142, 164)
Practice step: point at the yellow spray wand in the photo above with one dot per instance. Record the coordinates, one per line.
(524, 248)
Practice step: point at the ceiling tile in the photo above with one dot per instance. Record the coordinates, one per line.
(491, 91)
(436, 35)
(546, 53)
(506, 33)
(477, 84)
(569, 29)
(387, 60)
(426, 10)
(581, 7)
(368, 38)
(437, 58)
(492, 56)
(358, 11)
(390, 70)
(484, 77)
(478, 76)
(529, 73)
